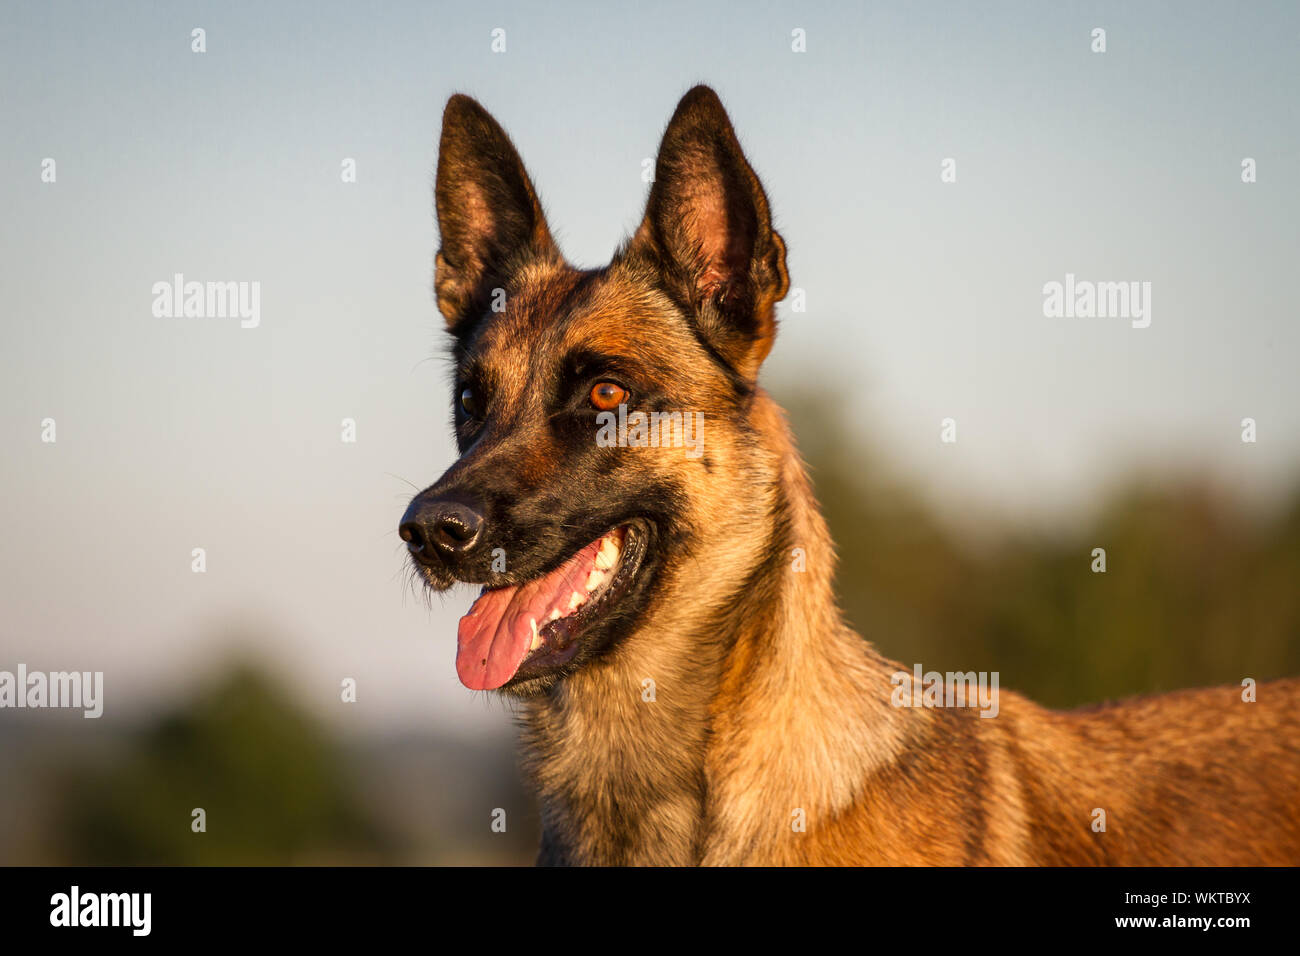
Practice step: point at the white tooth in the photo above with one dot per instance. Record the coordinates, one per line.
(594, 580)
(575, 600)
(537, 642)
(555, 615)
(532, 623)
(607, 557)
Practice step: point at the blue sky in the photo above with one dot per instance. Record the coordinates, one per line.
(923, 298)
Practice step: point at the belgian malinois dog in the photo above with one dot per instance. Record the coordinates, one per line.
(687, 694)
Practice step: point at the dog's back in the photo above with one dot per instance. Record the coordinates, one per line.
(811, 760)
(1188, 778)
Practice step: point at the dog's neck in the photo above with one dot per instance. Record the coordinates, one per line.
(642, 758)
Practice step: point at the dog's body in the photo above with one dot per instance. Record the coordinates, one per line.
(703, 701)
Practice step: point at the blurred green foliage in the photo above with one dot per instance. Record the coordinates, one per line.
(274, 788)
(1196, 592)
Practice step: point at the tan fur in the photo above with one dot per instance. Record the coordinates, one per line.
(796, 714)
(767, 709)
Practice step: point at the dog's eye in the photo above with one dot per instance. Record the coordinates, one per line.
(607, 396)
(469, 402)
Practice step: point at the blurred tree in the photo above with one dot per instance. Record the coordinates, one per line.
(268, 778)
(1195, 591)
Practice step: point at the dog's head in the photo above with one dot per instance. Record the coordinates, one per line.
(601, 415)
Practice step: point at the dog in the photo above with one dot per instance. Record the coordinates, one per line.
(686, 695)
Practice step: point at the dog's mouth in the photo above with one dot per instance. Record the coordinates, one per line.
(520, 631)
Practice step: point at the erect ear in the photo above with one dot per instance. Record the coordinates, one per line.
(708, 230)
(488, 214)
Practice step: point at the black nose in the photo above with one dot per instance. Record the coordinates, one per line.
(441, 527)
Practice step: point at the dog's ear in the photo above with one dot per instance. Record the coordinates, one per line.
(488, 214)
(708, 231)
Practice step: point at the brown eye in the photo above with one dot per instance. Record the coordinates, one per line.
(607, 396)
(469, 402)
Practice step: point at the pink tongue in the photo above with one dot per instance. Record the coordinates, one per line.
(494, 636)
